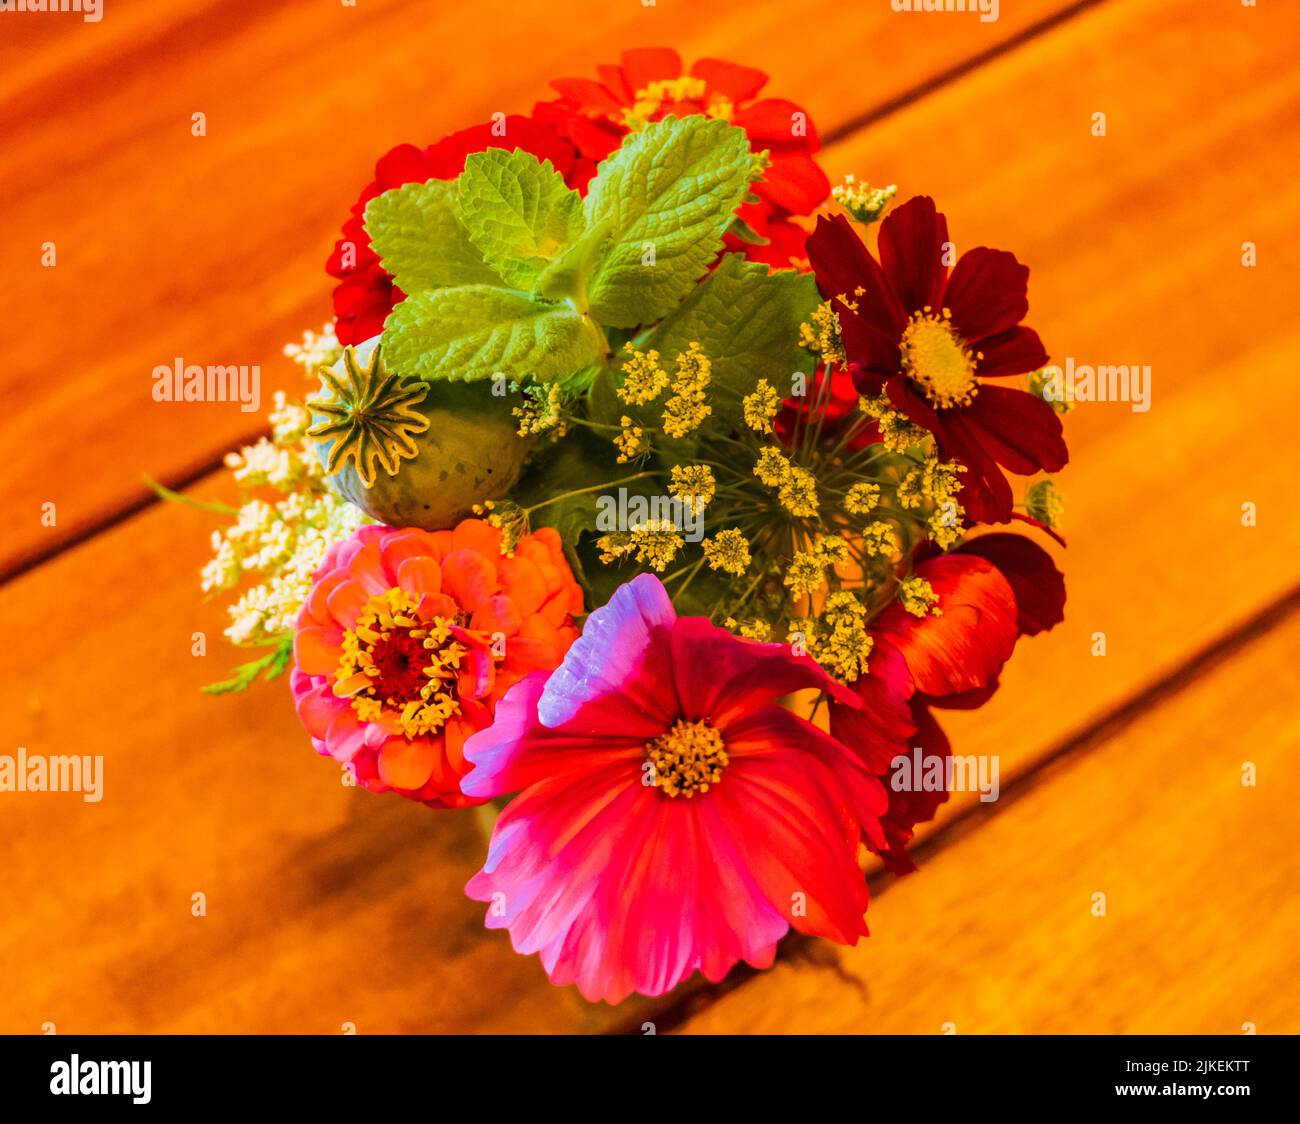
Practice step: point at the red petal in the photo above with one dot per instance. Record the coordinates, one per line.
(842, 264)
(644, 65)
(967, 645)
(909, 807)
(795, 183)
(1012, 353)
(739, 83)
(1038, 585)
(879, 731)
(987, 293)
(912, 241)
(1018, 429)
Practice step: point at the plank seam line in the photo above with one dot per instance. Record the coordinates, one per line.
(957, 71)
(111, 519)
(1089, 737)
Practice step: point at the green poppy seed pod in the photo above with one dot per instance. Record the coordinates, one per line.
(410, 453)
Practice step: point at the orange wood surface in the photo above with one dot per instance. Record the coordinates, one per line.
(328, 905)
(211, 248)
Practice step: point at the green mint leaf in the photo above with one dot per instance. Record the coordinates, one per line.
(476, 331)
(669, 194)
(419, 240)
(518, 212)
(567, 276)
(746, 320)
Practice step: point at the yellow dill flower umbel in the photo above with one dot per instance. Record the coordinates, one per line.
(761, 407)
(798, 493)
(821, 335)
(693, 484)
(632, 443)
(644, 380)
(727, 551)
(897, 433)
(687, 408)
(918, 597)
(807, 573)
(772, 467)
(880, 539)
(656, 543)
(861, 499)
(753, 629)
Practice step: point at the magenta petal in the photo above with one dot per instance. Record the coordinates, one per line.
(719, 675)
(616, 654)
(517, 751)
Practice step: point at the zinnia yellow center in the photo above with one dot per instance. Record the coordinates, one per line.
(935, 357)
(651, 99)
(393, 661)
(687, 759)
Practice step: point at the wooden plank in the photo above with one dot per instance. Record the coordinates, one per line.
(999, 934)
(1129, 265)
(185, 762)
(211, 249)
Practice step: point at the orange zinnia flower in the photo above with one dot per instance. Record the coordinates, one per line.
(410, 637)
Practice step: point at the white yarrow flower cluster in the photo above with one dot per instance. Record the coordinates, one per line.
(281, 543)
(316, 350)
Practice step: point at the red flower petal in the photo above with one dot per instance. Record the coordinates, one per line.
(795, 183)
(912, 241)
(1012, 353)
(842, 265)
(879, 730)
(644, 65)
(987, 293)
(985, 493)
(739, 83)
(718, 676)
(909, 807)
(1038, 585)
(1018, 429)
(967, 645)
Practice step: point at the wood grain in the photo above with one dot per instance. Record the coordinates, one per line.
(1129, 266)
(211, 249)
(327, 904)
(998, 935)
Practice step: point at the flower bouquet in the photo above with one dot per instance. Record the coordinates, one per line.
(634, 498)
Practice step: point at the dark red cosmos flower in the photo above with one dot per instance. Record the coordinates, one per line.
(992, 590)
(366, 294)
(650, 84)
(927, 336)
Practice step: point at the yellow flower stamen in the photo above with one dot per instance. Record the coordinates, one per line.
(687, 759)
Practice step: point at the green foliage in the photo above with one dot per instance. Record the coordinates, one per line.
(517, 211)
(746, 321)
(670, 191)
(419, 239)
(476, 331)
(508, 271)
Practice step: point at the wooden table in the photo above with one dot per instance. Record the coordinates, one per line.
(1122, 773)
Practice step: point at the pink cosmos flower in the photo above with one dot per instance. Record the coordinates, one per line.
(672, 817)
